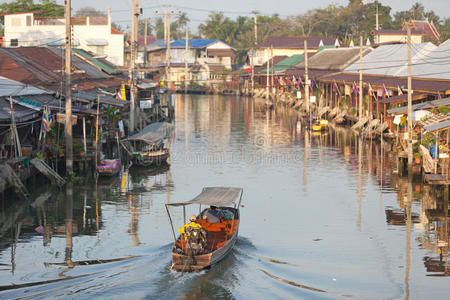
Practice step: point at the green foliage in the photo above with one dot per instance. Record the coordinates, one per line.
(88, 11)
(48, 7)
(428, 139)
(177, 28)
(443, 109)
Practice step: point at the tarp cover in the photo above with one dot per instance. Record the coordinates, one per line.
(217, 196)
(153, 133)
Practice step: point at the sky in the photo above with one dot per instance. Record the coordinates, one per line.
(198, 10)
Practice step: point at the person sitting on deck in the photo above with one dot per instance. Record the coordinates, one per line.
(212, 214)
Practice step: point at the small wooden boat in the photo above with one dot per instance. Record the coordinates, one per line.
(151, 146)
(109, 167)
(324, 124)
(221, 236)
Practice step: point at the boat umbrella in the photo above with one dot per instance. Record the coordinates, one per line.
(213, 196)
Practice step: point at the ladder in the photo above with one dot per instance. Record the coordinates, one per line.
(48, 172)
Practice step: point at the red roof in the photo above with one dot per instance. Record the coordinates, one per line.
(150, 39)
(426, 26)
(42, 67)
(24, 12)
(296, 42)
(397, 32)
(116, 31)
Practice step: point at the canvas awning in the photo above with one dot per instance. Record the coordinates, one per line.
(402, 99)
(425, 105)
(153, 133)
(96, 42)
(217, 196)
(438, 126)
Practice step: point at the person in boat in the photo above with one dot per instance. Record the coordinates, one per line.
(194, 237)
(192, 224)
(217, 215)
(212, 214)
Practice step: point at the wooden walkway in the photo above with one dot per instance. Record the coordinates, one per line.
(436, 179)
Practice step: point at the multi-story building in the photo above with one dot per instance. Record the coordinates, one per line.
(93, 34)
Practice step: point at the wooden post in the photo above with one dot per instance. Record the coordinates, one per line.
(68, 88)
(186, 61)
(96, 132)
(410, 150)
(306, 76)
(84, 137)
(14, 134)
(360, 78)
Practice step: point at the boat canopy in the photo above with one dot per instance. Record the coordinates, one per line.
(216, 196)
(154, 133)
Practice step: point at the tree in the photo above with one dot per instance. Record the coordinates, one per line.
(48, 7)
(89, 11)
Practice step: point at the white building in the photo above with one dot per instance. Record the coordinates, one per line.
(93, 34)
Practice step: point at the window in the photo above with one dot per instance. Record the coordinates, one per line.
(28, 20)
(14, 42)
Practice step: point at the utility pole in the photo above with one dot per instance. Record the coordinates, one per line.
(68, 88)
(271, 55)
(410, 152)
(377, 24)
(306, 76)
(186, 61)
(145, 43)
(267, 79)
(255, 25)
(360, 77)
(167, 16)
(132, 67)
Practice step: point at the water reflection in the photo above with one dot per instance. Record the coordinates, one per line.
(314, 205)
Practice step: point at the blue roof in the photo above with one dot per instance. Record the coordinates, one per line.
(193, 43)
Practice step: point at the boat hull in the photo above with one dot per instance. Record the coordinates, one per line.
(199, 262)
(151, 160)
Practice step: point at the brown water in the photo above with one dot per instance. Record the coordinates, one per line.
(324, 216)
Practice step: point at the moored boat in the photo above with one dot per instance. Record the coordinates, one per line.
(109, 167)
(151, 146)
(191, 252)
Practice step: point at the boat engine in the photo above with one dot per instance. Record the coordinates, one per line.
(195, 240)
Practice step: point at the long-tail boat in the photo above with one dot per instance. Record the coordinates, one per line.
(220, 236)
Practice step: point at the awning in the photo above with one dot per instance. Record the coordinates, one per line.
(153, 133)
(96, 42)
(438, 126)
(217, 196)
(402, 98)
(425, 105)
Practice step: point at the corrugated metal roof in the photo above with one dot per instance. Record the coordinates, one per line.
(106, 67)
(90, 70)
(420, 106)
(397, 32)
(434, 64)
(438, 126)
(295, 42)
(288, 62)
(425, 86)
(391, 60)
(97, 42)
(10, 87)
(334, 59)
(193, 43)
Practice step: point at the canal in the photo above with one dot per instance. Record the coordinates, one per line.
(324, 216)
